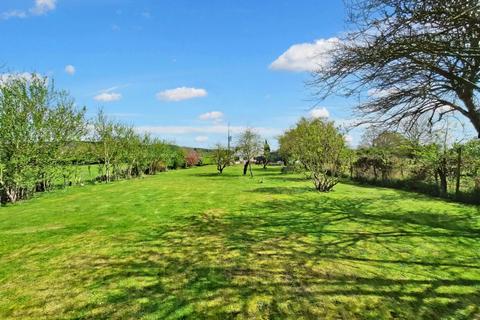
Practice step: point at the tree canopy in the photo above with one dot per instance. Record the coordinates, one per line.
(408, 59)
(317, 145)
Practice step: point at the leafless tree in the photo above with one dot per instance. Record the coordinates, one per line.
(406, 60)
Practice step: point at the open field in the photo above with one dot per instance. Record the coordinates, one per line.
(192, 244)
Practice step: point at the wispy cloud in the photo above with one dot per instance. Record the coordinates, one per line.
(40, 7)
(305, 56)
(201, 139)
(108, 97)
(215, 116)
(110, 94)
(182, 93)
(124, 115)
(215, 129)
(43, 6)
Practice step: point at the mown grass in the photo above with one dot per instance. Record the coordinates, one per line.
(192, 244)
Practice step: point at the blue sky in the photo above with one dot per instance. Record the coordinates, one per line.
(179, 69)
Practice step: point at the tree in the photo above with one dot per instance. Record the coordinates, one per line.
(104, 135)
(249, 146)
(286, 145)
(381, 152)
(192, 158)
(38, 125)
(472, 161)
(266, 154)
(408, 59)
(222, 157)
(318, 146)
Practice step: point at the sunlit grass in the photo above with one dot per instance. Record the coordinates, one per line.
(191, 244)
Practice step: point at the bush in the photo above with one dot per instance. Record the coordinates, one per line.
(192, 158)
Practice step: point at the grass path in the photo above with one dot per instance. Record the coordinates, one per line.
(191, 244)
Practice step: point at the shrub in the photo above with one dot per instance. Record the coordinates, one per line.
(192, 158)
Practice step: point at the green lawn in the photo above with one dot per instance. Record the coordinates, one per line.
(191, 244)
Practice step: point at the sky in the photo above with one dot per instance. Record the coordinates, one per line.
(181, 70)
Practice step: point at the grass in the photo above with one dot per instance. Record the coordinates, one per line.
(191, 244)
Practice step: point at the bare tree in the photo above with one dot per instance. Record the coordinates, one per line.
(408, 59)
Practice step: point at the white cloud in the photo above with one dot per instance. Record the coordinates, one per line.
(108, 97)
(182, 93)
(348, 139)
(306, 56)
(215, 129)
(39, 8)
(43, 6)
(13, 14)
(69, 69)
(201, 139)
(215, 116)
(319, 113)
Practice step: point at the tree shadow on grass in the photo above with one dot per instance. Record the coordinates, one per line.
(290, 178)
(290, 259)
(212, 174)
(282, 190)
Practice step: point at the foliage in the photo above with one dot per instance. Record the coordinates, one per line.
(192, 158)
(249, 145)
(431, 164)
(222, 157)
(317, 145)
(413, 58)
(38, 124)
(44, 142)
(266, 154)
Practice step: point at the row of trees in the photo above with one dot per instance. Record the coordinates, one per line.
(432, 164)
(45, 139)
(420, 158)
(37, 128)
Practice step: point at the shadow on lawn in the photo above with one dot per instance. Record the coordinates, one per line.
(291, 259)
(283, 190)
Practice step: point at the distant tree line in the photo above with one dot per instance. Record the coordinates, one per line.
(428, 163)
(45, 140)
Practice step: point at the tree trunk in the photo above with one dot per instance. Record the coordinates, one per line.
(459, 171)
(245, 167)
(443, 182)
(250, 166)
